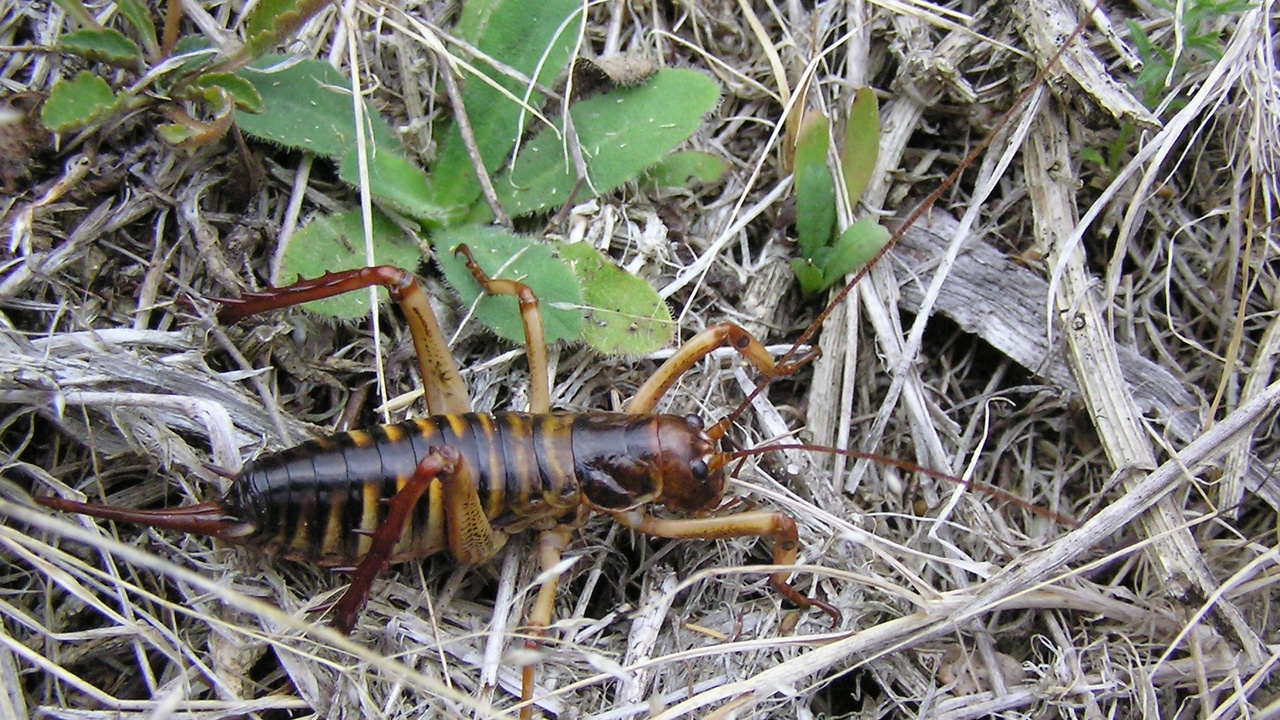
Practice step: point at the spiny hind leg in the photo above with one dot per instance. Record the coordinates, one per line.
(780, 527)
(534, 336)
(468, 535)
(442, 385)
(701, 345)
(439, 463)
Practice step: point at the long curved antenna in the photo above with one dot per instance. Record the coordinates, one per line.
(983, 488)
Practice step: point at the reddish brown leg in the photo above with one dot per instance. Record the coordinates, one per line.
(698, 347)
(535, 342)
(470, 539)
(759, 523)
(551, 543)
(440, 462)
(442, 385)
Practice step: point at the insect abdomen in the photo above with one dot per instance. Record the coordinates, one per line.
(317, 501)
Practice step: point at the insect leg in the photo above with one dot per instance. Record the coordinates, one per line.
(779, 526)
(534, 337)
(701, 345)
(439, 463)
(471, 539)
(551, 543)
(442, 385)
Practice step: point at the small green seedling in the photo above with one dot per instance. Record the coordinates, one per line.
(1196, 43)
(1199, 41)
(192, 84)
(825, 257)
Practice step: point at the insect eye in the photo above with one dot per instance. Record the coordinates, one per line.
(694, 421)
(699, 469)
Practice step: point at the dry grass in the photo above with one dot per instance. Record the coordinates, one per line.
(1160, 355)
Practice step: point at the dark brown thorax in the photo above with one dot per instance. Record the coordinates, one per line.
(624, 461)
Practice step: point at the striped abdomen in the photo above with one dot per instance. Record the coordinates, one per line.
(528, 470)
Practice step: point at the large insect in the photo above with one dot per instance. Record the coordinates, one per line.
(462, 482)
(432, 500)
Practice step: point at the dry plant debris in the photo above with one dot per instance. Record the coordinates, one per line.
(1116, 366)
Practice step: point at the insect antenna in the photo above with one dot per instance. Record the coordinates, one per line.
(980, 487)
(790, 363)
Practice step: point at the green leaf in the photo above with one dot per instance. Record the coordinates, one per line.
(861, 144)
(77, 102)
(810, 277)
(624, 315)
(336, 242)
(397, 182)
(855, 247)
(475, 18)
(1091, 155)
(246, 96)
(815, 189)
(78, 12)
(272, 21)
(504, 255)
(620, 133)
(687, 168)
(308, 106)
(532, 37)
(104, 45)
(139, 16)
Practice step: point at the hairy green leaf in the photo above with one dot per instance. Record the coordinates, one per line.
(686, 169)
(103, 45)
(397, 182)
(620, 134)
(532, 37)
(504, 255)
(77, 102)
(624, 316)
(308, 106)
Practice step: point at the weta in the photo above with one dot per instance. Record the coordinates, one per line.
(461, 482)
